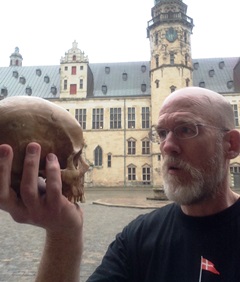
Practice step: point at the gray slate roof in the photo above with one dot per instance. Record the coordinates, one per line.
(36, 82)
(221, 70)
(216, 73)
(118, 87)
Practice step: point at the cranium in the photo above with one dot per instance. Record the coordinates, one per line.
(26, 119)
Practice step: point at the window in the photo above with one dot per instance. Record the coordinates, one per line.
(98, 156)
(109, 160)
(15, 74)
(4, 91)
(28, 91)
(46, 79)
(97, 119)
(81, 84)
(143, 87)
(74, 58)
(172, 57)
(131, 172)
(157, 83)
(81, 67)
(186, 59)
(107, 70)
(73, 88)
(124, 76)
(235, 111)
(202, 84)
(104, 89)
(157, 61)
(230, 84)
(22, 80)
(185, 36)
(81, 117)
(159, 157)
(131, 117)
(187, 82)
(143, 68)
(38, 72)
(235, 169)
(196, 66)
(145, 147)
(65, 68)
(156, 38)
(115, 118)
(146, 175)
(221, 64)
(54, 90)
(65, 84)
(131, 147)
(74, 70)
(145, 117)
(211, 73)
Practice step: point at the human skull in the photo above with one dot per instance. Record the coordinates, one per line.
(25, 119)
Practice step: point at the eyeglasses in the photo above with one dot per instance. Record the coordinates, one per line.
(184, 131)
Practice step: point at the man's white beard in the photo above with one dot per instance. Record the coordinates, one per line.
(199, 183)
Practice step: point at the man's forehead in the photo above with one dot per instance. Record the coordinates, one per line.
(178, 118)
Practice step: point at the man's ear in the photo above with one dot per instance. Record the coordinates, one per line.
(232, 139)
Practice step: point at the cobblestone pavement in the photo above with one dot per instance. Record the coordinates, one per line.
(106, 212)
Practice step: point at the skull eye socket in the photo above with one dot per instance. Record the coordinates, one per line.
(76, 159)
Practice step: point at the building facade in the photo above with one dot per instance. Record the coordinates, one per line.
(117, 104)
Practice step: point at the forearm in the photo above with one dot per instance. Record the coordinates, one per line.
(61, 259)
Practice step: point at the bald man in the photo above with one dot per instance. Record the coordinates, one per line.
(196, 238)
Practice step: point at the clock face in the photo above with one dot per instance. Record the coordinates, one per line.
(171, 34)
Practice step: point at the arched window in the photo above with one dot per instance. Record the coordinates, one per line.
(98, 156)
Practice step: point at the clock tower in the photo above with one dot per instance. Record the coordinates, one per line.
(169, 32)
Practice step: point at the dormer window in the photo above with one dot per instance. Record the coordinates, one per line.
(221, 64)
(230, 84)
(107, 70)
(28, 91)
(22, 80)
(124, 76)
(46, 79)
(15, 74)
(196, 66)
(202, 84)
(211, 73)
(104, 89)
(4, 91)
(38, 72)
(54, 90)
(143, 68)
(143, 87)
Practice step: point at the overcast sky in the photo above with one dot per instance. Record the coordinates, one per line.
(107, 30)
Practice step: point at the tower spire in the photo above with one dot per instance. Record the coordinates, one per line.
(16, 58)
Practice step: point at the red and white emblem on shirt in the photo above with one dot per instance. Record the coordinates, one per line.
(209, 266)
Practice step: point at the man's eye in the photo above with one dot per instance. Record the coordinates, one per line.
(162, 133)
(186, 131)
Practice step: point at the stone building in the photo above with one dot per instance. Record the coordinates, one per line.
(117, 104)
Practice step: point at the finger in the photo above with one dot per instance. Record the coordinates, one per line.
(53, 180)
(29, 183)
(6, 157)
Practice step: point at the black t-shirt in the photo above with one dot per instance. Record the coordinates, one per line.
(168, 246)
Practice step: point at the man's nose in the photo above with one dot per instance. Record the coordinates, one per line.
(170, 145)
